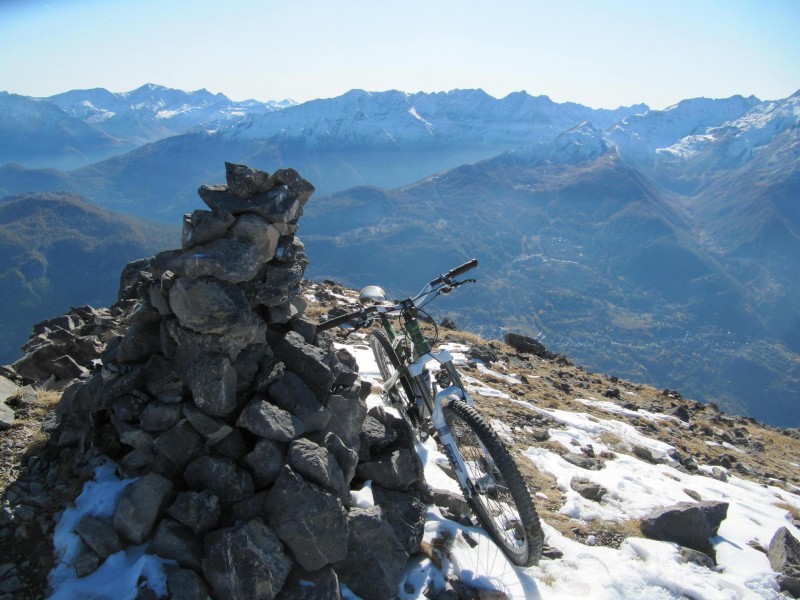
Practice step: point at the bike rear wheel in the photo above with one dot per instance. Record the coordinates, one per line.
(499, 496)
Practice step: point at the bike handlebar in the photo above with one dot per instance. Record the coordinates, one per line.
(363, 313)
(346, 318)
(460, 270)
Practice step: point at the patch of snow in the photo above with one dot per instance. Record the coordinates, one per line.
(119, 575)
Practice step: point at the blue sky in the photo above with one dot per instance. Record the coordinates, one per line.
(599, 53)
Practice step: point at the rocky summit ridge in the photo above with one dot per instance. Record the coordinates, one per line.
(245, 430)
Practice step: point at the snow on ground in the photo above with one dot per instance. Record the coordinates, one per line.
(639, 569)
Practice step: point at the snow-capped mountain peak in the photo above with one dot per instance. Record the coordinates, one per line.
(743, 135)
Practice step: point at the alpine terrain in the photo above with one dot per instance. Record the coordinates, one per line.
(659, 245)
(202, 437)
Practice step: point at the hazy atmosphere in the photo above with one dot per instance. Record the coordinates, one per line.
(596, 394)
(601, 54)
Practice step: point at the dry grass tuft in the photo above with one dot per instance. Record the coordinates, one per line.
(791, 509)
(613, 442)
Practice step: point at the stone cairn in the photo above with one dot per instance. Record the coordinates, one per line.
(245, 430)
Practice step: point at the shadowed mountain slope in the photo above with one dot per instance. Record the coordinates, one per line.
(58, 251)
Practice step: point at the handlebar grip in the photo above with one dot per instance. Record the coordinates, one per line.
(336, 321)
(463, 268)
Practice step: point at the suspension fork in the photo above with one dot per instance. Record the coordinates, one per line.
(447, 441)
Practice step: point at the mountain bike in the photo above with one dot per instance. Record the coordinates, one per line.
(481, 463)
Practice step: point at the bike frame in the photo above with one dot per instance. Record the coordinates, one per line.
(413, 374)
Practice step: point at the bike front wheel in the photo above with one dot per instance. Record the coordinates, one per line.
(498, 494)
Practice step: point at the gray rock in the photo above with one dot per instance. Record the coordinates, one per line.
(297, 184)
(159, 299)
(588, 489)
(346, 457)
(276, 283)
(375, 435)
(255, 230)
(202, 226)
(317, 465)
(270, 422)
(100, 537)
(310, 521)
(246, 509)
(141, 340)
(212, 380)
(375, 557)
(221, 476)
(280, 204)
(399, 470)
(180, 445)
(211, 306)
(687, 524)
(130, 406)
(245, 562)
(137, 460)
(306, 361)
(185, 584)
(161, 378)
(7, 389)
(225, 259)
(322, 584)
(446, 499)
(116, 386)
(133, 436)
(527, 345)
(290, 393)
(648, 454)
(698, 558)
(199, 511)
(790, 585)
(288, 311)
(159, 416)
(175, 541)
(232, 446)
(582, 461)
(784, 553)
(190, 346)
(245, 182)
(248, 362)
(142, 503)
(213, 430)
(86, 562)
(405, 513)
(347, 416)
(6, 416)
(265, 462)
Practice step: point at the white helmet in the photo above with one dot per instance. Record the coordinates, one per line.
(372, 294)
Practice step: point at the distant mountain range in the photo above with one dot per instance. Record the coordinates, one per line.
(80, 127)
(659, 245)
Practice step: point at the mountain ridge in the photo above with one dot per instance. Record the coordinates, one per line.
(691, 257)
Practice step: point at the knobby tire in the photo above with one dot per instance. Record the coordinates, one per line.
(505, 510)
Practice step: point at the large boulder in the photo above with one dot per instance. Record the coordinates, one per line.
(309, 520)
(375, 558)
(221, 476)
(317, 465)
(268, 421)
(211, 306)
(245, 561)
(142, 504)
(784, 557)
(687, 524)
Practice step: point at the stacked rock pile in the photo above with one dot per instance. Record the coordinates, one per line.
(245, 429)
